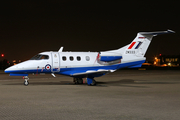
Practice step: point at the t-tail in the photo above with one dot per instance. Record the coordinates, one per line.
(140, 44)
(136, 50)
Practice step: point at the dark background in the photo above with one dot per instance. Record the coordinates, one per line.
(30, 27)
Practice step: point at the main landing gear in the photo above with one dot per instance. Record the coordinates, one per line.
(78, 80)
(90, 81)
(26, 83)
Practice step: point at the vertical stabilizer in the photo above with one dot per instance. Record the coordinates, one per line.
(139, 46)
(142, 41)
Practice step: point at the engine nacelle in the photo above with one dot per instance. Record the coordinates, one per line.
(109, 56)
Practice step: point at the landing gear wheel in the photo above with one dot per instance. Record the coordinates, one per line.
(78, 80)
(93, 83)
(26, 83)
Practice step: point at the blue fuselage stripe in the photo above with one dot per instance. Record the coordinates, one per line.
(69, 71)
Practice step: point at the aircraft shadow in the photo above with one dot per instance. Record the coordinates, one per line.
(122, 83)
(133, 83)
(44, 83)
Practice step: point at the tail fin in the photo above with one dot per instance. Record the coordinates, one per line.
(142, 41)
(140, 44)
(133, 54)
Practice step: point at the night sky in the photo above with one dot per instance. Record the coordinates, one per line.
(30, 27)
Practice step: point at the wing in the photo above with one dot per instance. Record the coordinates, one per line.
(87, 73)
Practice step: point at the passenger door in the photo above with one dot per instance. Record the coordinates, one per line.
(55, 62)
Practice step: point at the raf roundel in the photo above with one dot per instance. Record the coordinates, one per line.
(48, 67)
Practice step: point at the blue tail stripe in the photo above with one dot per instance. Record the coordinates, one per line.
(138, 45)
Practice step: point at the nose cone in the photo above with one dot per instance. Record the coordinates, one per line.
(15, 68)
(24, 67)
(6, 70)
(9, 69)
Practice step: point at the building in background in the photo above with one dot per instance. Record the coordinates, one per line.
(167, 60)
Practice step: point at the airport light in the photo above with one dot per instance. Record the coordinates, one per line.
(169, 64)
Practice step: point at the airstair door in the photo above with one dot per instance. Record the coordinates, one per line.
(55, 62)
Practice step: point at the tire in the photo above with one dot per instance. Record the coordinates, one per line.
(79, 80)
(26, 83)
(93, 83)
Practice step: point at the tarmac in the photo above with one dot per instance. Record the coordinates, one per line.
(122, 95)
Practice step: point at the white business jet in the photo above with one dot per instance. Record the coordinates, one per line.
(87, 65)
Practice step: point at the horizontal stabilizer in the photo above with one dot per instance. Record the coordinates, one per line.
(156, 33)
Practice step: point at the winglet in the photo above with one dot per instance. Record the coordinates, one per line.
(61, 49)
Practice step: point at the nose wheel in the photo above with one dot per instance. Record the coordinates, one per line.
(26, 83)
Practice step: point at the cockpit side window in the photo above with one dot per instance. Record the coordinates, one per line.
(44, 57)
(40, 57)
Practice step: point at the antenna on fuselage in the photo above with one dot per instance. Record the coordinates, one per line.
(61, 49)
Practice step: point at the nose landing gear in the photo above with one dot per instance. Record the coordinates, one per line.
(26, 80)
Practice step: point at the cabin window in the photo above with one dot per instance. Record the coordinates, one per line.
(40, 57)
(87, 58)
(78, 58)
(71, 58)
(64, 58)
